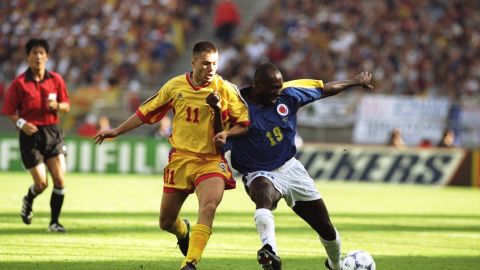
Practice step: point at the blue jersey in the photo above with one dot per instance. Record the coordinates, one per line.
(270, 141)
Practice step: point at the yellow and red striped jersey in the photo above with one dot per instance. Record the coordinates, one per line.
(192, 125)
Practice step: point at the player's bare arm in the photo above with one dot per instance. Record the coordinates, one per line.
(221, 135)
(236, 130)
(131, 123)
(26, 127)
(363, 79)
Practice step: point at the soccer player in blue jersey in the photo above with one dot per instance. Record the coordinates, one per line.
(266, 157)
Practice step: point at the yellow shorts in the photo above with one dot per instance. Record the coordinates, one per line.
(186, 170)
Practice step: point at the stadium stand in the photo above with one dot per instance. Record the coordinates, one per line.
(100, 47)
(414, 47)
(117, 52)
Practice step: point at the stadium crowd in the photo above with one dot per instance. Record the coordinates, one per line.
(415, 47)
(93, 41)
(109, 49)
(428, 47)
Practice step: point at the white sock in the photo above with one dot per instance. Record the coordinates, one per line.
(333, 249)
(32, 189)
(265, 224)
(58, 191)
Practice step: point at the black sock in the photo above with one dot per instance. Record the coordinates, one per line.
(56, 202)
(31, 194)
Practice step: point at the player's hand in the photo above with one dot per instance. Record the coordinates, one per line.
(214, 101)
(220, 139)
(365, 80)
(29, 128)
(104, 134)
(52, 104)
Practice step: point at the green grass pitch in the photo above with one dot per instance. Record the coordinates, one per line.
(112, 223)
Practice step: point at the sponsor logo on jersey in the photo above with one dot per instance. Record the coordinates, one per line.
(179, 96)
(282, 109)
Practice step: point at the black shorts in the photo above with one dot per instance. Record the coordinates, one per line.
(44, 144)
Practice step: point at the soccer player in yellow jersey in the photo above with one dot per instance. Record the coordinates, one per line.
(200, 100)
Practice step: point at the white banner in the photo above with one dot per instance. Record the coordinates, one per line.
(470, 124)
(336, 111)
(417, 118)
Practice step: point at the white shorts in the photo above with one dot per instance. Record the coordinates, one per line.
(291, 180)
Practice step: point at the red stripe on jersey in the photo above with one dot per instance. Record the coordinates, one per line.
(192, 84)
(141, 116)
(155, 115)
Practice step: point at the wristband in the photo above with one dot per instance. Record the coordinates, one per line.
(21, 122)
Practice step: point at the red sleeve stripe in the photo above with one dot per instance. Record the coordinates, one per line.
(141, 116)
(160, 111)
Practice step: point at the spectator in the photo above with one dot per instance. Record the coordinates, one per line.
(92, 124)
(103, 123)
(448, 138)
(425, 143)
(226, 20)
(164, 128)
(88, 128)
(427, 46)
(120, 39)
(396, 139)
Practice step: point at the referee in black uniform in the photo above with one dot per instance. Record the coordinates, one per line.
(33, 102)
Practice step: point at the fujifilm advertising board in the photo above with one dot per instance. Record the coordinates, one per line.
(122, 155)
(325, 162)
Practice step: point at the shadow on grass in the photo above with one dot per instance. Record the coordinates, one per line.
(249, 215)
(139, 222)
(303, 263)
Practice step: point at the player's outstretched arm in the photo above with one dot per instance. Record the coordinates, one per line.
(131, 123)
(363, 79)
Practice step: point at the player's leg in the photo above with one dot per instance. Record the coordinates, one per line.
(176, 188)
(307, 202)
(315, 213)
(32, 159)
(169, 209)
(265, 196)
(209, 193)
(57, 167)
(39, 176)
(169, 221)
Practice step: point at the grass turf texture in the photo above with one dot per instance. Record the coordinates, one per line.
(112, 224)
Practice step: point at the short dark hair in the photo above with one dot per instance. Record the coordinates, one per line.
(265, 70)
(36, 42)
(204, 46)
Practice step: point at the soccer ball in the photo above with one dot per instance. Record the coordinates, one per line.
(358, 260)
